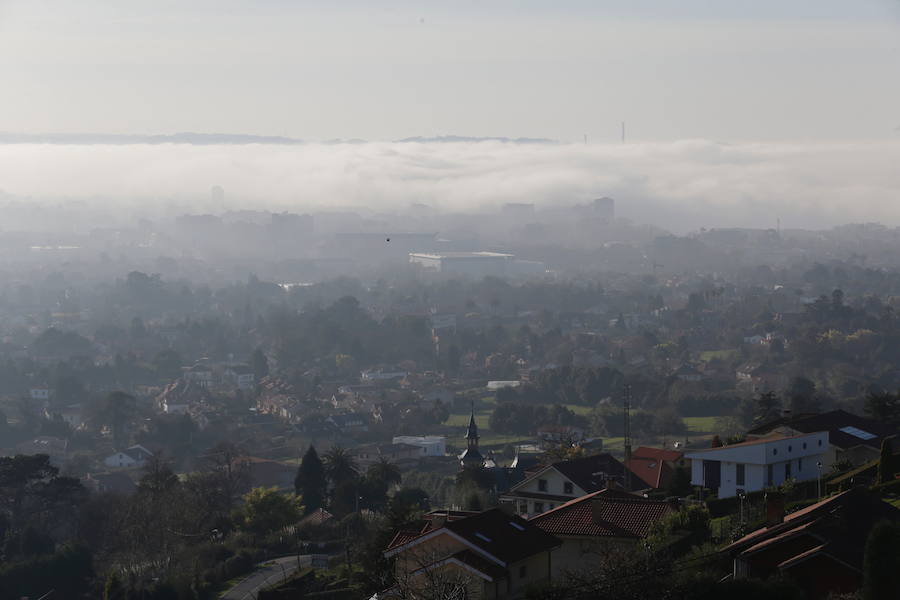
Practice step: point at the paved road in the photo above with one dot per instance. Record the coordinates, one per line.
(270, 572)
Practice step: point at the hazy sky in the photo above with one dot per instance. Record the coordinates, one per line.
(725, 70)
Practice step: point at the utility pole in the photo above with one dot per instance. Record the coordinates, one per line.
(623, 132)
(626, 405)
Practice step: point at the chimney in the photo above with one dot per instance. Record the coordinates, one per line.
(774, 508)
(596, 510)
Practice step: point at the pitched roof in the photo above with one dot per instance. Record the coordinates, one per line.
(607, 513)
(506, 538)
(652, 470)
(592, 473)
(657, 453)
(845, 430)
(838, 526)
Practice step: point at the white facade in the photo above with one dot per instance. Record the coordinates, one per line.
(542, 492)
(432, 445)
(756, 465)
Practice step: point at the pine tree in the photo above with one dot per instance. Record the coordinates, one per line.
(881, 565)
(886, 462)
(310, 480)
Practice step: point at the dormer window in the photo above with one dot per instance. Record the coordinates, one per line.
(568, 488)
(542, 485)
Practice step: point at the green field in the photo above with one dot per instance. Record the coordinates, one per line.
(700, 425)
(708, 355)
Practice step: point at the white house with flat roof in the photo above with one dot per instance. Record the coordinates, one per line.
(431, 445)
(758, 464)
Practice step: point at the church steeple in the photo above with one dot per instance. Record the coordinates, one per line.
(472, 430)
(471, 456)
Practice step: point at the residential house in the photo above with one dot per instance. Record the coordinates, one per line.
(851, 438)
(40, 393)
(382, 374)
(490, 555)
(757, 464)
(759, 377)
(400, 454)
(820, 547)
(133, 457)
(656, 466)
(687, 372)
(178, 397)
(199, 373)
(605, 519)
(551, 485)
(241, 375)
(350, 423)
(432, 445)
(560, 435)
(71, 414)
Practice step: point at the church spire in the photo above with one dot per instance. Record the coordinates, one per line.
(472, 431)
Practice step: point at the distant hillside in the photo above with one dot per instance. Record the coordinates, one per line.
(447, 139)
(199, 139)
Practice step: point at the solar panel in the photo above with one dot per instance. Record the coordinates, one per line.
(481, 536)
(857, 432)
(517, 526)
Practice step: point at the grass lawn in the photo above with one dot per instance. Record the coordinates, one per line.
(708, 355)
(700, 425)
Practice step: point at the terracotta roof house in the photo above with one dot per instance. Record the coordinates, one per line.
(485, 555)
(655, 465)
(821, 547)
(599, 520)
(850, 437)
(557, 483)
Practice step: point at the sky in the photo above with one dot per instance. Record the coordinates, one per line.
(723, 70)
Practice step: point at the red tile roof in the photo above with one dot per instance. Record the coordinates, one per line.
(654, 471)
(619, 515)
(657, 453)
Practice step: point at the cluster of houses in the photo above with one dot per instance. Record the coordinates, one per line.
(558, 518)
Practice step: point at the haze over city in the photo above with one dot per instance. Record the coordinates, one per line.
(396, 300)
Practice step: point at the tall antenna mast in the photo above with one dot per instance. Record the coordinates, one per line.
(585, 139)
(623, 132)
(626, 405)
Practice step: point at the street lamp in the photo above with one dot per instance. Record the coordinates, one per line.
(819, 480)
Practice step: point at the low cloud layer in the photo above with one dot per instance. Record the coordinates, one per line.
(679, 186)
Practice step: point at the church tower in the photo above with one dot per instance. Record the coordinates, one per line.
(471, 456)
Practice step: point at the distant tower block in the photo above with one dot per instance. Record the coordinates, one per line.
(604, 208)
(217, 195)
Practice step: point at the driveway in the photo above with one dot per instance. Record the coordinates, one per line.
(267, 573)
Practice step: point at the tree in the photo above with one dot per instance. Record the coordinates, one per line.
(116, 411)
(310, 480)
(385, 471)
(167, 364)
(768, 407)
(266, 510)
(802, 393)
(340, 465)
(260, 364)
(881, 562)
(886, 465)
(228, 462)
(883, 406)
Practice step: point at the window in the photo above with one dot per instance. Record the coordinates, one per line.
(820, 442)
(523, 508)
(787, 470)
(790, 448)
(538, 507)
(542, 485)
(770, 475)
(799, 464)
(740, 474)
(523, 571)
(804, 445)
(774, 451)
(567, 488)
